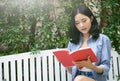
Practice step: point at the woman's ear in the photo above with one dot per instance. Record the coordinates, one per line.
(91, 18)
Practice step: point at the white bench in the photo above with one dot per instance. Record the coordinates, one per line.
(42, 67)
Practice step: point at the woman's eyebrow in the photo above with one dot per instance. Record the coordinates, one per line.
(83, 19)
(80, 19)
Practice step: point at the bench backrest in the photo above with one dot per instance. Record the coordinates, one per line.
(42, 67)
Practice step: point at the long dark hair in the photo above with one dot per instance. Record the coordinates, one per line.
(74, 32)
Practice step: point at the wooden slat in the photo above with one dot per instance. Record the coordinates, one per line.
(57, 70)
(110, 75)
(69, 77)
(0, 71)
(19, 70)
(13, 72)
(44, 68)
(63, 73)
(115, 67)
(32, 69)
(26, 69)
(38, 68)
(6, 71)
(119, 64)
(51, 71)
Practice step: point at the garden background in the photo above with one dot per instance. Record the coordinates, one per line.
(31, 25)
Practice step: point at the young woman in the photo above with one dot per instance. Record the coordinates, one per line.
(84, 32)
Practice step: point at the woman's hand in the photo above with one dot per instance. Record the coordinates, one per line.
(86, 63)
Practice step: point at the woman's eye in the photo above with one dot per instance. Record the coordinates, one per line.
(77, 23)
(83, 20)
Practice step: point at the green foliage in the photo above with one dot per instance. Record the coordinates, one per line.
(118, 77)
(20, 31)
(113, 22)
(36, 25)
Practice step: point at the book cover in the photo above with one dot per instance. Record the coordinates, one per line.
(65, 57)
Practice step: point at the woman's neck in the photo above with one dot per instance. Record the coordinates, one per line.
(85, 36)
(84, 40)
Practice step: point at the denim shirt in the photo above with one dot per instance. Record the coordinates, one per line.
(102, 49)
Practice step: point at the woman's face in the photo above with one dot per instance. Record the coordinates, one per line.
(83, 23)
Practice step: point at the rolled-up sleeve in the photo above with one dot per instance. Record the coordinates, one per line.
(105, 55)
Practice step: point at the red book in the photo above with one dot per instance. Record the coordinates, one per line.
(65, 57)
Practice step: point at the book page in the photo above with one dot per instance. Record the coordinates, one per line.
(80, 49)
(83, 54)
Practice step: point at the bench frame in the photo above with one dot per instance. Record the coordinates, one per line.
(43, 66)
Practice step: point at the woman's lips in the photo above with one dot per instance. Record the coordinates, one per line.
(84, 29)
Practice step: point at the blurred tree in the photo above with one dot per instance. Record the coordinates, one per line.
(29, 25)
(110, 21)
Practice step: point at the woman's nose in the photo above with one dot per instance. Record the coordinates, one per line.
(81, 24)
